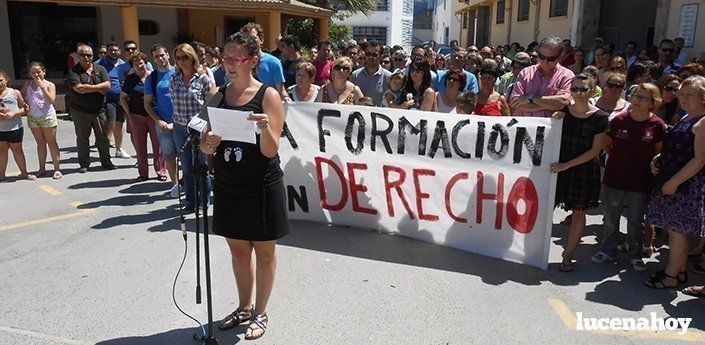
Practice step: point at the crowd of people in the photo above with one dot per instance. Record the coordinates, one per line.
(633, 128)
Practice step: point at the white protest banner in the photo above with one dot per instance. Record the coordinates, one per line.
(477, 183)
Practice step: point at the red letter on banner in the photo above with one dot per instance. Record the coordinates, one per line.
(322, 188)
(523, 189)
(498, 198)
(449, 187)
(388, 185)
(421, 195)
(355, 188)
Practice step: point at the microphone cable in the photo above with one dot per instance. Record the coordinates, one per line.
(182, 222)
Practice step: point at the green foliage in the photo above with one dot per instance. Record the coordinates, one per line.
(307, 32)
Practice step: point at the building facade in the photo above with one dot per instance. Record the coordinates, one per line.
(391, 23)
(446, 22)
(48, 31)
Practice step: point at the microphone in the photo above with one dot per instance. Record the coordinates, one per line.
(198, 124)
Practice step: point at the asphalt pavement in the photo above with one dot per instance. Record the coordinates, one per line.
(91, 259)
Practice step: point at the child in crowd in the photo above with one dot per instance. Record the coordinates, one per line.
(390, 98)
(465, 103)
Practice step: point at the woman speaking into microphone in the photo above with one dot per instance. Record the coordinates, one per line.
(248, 191)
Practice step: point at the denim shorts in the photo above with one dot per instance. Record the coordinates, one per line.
(114, 112)
(167, 142)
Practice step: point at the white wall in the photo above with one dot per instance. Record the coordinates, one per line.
(445, 17)
(391, 19)
(6, 62)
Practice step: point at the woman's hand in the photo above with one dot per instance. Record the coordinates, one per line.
(408, 104)
(211, 142)
(262, 120)
(163, 126)
(558, 167)
(669, 188)
(558, 115)
(654, 166)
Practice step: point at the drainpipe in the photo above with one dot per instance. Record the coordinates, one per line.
(577, 9)
(537, 20)
(474, 31)
(508, 20)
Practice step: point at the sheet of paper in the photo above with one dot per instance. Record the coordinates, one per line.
(232, 125)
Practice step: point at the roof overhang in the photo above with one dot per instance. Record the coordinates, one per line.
(287, 6)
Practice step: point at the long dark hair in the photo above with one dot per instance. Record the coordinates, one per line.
(418, 64)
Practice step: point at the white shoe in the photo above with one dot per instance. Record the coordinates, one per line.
(120, 153)
(174, 192)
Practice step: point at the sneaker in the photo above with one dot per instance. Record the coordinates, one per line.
(601, 257)
(638, 265)
(698, 268)
(120, 153)
(110, 166)
(83, 170)
(174, 192)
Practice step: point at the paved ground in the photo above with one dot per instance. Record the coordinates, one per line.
(91, 259)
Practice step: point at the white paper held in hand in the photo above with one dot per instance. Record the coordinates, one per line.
(232, 125)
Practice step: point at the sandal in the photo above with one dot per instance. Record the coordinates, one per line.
(257, 323)
(28, 177)
(683, 274)
(658, 279)
(235, 318)
(57, 175)
(695, 291)
(566, 267)
(161, 178)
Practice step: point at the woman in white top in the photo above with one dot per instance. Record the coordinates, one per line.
(446, 100)
(41, 119)
(304, 90)
(612, 101)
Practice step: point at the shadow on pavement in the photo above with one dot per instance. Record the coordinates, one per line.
(182, 336)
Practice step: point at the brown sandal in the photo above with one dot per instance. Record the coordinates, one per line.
(235, 318)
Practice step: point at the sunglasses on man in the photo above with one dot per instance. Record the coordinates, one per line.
(548, 58)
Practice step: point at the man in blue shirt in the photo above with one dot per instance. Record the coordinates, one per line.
(157, 102)
(115, 114)
(270, 70)
(456, 61)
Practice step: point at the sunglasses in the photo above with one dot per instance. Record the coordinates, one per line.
(159, 55)
(399, 59)
(130, 49)
(342, 68)
(371, 54)
(548, 58)
(385, 62)
(578, 89)
(670, 88)
(235, 60)
(641, 97)
(615, 86)
(415, 70)
(667, 50)
(182, 58)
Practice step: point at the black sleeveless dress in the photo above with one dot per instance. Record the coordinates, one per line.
(249, 202)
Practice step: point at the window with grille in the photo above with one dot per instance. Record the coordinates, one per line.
(559, 8)
(500, 11)
(378, 33)
(523, 12)
(148, 27)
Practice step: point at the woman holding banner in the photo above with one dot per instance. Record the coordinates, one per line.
(578, 186)
(417, 86)
(249, 207)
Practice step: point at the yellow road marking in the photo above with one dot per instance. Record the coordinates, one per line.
(49, 219)
(49, 189)
(570, 322)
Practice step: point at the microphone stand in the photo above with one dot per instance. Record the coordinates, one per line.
(200, 174)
